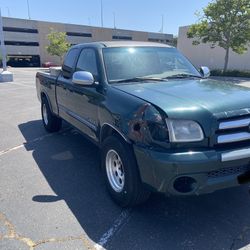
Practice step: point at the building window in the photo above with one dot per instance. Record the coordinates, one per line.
(157, 40)
(19, 43)
(23, 30)
(79, 34)
(122, 37)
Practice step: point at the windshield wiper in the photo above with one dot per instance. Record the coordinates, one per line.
(139, 79)
(143, 79)
(182, 76)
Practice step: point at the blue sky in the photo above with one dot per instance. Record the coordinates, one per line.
(130, 14)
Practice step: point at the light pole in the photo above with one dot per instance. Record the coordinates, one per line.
(5, 75)
(8, 9)
(114, 20)
(162, 24)
(101, 14)
(3, 49)
(28, 7)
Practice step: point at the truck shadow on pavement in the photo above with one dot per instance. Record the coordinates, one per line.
(70, 165)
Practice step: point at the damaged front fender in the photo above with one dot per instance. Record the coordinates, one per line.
(148, 127)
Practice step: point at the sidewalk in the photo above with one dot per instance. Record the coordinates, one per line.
(242, 81)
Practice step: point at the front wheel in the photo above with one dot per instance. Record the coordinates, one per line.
(121, 173)
(51, 122)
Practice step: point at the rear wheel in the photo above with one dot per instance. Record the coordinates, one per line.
(121, 173)
(51, 122)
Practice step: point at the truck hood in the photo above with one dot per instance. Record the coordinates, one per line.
(180, 98)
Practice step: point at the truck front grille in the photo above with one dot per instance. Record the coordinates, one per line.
(234, 130)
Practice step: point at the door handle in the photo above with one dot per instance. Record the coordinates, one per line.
(61, 85)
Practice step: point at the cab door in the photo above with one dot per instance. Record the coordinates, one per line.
(83, 101)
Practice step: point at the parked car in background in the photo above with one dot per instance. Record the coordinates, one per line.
(49, 64)
(23, 61)
(161, 124)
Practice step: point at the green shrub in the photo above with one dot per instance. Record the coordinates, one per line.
(233, 73)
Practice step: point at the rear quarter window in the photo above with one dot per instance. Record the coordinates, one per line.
(69, 62)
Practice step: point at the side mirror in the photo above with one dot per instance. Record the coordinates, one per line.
(205, 71)
(84, 78)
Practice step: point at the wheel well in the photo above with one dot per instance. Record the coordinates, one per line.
(107, 131)
(43, 95)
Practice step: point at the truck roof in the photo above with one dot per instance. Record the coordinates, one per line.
(132, 43)
(123, 44)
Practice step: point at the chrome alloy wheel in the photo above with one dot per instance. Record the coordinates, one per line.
(115, 171)
(45, 115)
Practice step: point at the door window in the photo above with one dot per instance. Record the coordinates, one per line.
(87, 62)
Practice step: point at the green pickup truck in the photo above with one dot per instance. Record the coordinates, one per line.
(161, 124)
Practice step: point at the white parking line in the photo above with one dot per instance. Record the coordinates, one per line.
(11, 149)
(121, 220)
(32, 141)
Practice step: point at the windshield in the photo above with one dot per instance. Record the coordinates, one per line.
(125, 63)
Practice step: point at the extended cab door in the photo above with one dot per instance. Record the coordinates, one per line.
(64, 81)
(81, 102)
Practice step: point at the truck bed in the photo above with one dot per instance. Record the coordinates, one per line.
(46, 83)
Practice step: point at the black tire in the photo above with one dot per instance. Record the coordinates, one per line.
(51, 123)
(133, 192)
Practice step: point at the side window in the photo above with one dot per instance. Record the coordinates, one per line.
(69, 63)
(87, 62)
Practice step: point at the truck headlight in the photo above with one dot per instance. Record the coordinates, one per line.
(184, 130)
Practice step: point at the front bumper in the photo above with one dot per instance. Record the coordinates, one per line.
(192, 172)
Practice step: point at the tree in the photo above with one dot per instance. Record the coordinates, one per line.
(58, 44)
(225, 23)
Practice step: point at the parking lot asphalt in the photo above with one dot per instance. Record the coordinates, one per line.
(52, 195)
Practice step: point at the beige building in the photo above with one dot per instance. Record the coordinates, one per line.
(204, 55)
(26, 40)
